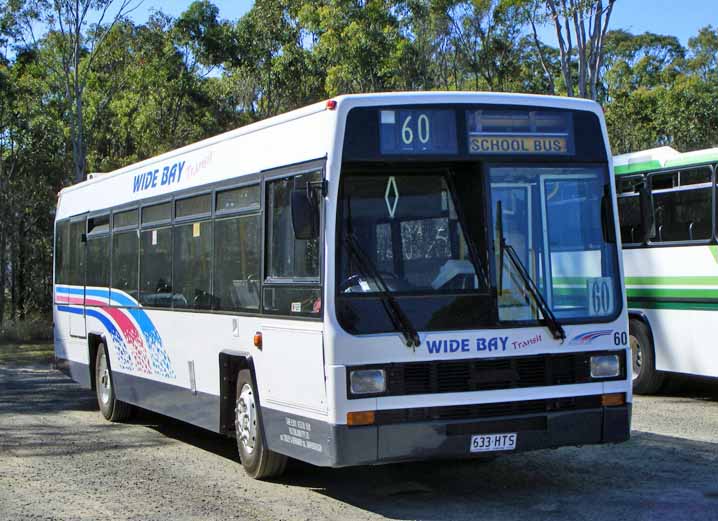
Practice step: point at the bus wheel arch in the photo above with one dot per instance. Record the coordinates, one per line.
(646, 378)
(230, 363)
(240, 399)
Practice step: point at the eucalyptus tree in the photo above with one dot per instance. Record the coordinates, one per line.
(581, 27)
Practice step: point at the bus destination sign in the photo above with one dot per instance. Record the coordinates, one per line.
(520, 132)
(417, 131)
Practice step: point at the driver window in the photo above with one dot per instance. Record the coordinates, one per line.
(236, 251)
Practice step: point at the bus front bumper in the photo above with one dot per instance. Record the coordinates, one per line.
(452, 439)
(342, 445)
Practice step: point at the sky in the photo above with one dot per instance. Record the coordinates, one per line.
(681, 18)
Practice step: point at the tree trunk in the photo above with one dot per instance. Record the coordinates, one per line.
(542, 57)
(3, 271)
(21, 274)
(13, 278)
(3, 239)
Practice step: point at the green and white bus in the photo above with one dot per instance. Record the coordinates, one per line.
(667, 209)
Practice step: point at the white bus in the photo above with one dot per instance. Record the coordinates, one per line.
(371, 279)
(667, 206)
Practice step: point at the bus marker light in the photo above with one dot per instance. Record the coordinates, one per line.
(258, 339)
(360, 418)
(331, 104)
(613, 399)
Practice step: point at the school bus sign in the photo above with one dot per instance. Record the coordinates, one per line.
(518, 144)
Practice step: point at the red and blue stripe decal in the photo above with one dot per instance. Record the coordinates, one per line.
(588, 338)
(137, 342)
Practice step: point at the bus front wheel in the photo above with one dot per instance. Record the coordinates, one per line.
(646, 379)
(111, 408)
(258, 461)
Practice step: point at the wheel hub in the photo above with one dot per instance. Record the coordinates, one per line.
(104, 383)
(636, 356)
(246, 419)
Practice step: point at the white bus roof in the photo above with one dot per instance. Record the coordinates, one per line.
(662, 157)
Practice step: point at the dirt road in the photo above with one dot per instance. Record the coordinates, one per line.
(60, 460)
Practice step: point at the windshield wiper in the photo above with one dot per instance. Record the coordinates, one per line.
(551, 321)
(396, 314)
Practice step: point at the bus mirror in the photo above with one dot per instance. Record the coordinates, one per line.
(648, 217)
(305, 213)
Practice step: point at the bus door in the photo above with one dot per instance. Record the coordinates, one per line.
(76, 276)
(517, 210)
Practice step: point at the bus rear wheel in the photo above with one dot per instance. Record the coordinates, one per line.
(258, 461)
(111, 408)
(646, 379)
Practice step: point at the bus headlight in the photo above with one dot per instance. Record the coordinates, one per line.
(367, 381)
(605, 366)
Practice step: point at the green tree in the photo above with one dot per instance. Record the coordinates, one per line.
(357, 41)
(704, 53)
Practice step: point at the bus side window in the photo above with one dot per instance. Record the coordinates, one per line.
(629, 215)
(290, 260)
(156, 267)
(682, 202)
(192, 265)
(98, 253)
(237, 255)
(125, 251)
(76, 265)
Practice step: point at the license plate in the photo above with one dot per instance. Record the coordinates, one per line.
(493, 442)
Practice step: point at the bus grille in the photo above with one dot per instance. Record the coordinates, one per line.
(490, 374)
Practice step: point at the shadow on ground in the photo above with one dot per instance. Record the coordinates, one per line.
(690, 387)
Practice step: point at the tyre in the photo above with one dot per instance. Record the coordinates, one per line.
(646, 380)
(258, 461)
(110, 407)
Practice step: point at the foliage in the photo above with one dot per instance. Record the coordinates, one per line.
(105, 91)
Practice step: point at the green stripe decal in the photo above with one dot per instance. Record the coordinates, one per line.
(633, 168)
(693, 306)
(672, 293)
(672, 281)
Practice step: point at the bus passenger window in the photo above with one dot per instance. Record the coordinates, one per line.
(98, 269)
(125, 248)
(629, 215)
(683, 212)
(192, 266)
(62, 252)
(76, 268)
(236, 276)
(156, 268)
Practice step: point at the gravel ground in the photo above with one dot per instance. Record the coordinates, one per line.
(59, 460)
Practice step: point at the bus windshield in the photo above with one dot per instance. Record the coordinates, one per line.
(554, 218)
(432, 233)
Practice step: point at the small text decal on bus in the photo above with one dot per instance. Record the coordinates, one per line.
(167, 175)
